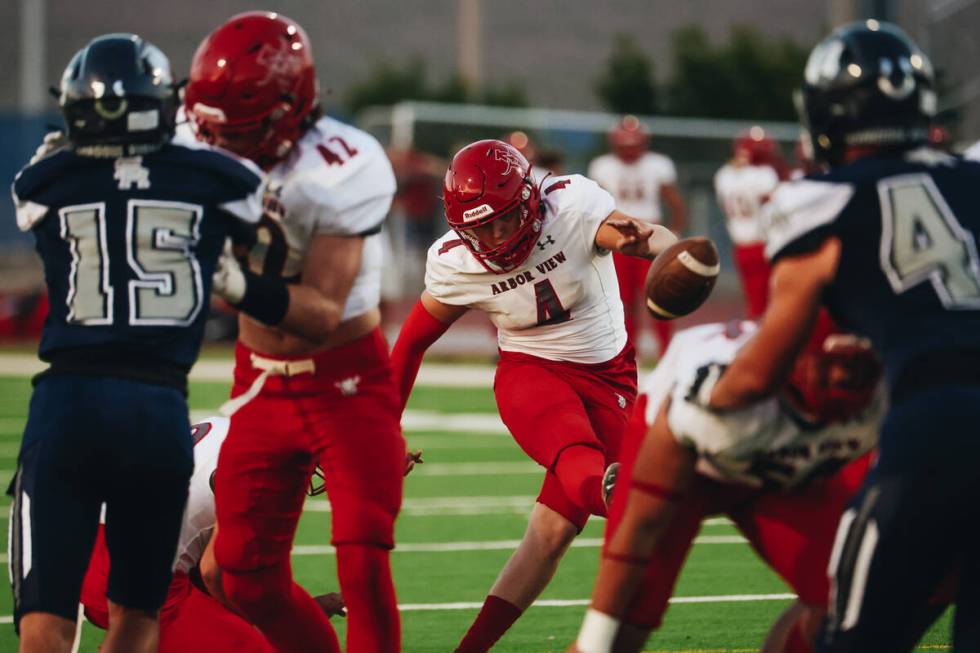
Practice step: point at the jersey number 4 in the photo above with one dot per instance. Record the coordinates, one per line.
(167, 289)
(921, 240)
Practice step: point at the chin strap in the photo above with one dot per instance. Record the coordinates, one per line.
(418, 333)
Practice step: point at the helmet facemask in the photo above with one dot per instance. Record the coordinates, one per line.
(510, 253)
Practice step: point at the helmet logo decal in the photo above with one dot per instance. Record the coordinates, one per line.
(509, 158)
(279, 65)
(478, 212)
(885, 84)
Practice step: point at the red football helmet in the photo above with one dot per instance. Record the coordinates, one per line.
(253, 86)
(629, 139)
(489, 181)
(835, 376)
(755, 146)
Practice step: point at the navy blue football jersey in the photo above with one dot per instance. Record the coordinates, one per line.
(129, 244)
(909, 273)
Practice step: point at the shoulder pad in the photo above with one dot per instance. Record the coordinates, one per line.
(241, 173)
(801, 207)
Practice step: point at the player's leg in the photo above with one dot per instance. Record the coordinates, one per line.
(553, 524)
(753, 270)
(552, 426)
(626, 275)
(888, 560)
(145, 494)
(363, 462)
(196, 623)
(54, 514)
(260, 486)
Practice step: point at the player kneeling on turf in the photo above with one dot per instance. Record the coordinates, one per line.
(781, 469)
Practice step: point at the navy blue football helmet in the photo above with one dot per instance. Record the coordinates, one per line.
(867, 83)
(118, 90)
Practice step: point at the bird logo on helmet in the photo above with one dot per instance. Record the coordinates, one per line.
(486, 181)
(252, 88)
(867, 84)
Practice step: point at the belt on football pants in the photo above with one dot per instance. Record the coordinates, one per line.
(269, 367)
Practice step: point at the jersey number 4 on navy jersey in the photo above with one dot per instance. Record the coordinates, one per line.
(921, 240)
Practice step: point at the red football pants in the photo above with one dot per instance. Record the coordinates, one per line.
(792, 531)
(343, 414)
(631, 272)
(753, 270)
(549, 406)
(190, 620)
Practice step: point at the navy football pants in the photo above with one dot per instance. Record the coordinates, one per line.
(912, 528)
(91, 440)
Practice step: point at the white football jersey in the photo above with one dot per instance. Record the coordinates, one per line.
(563, 302)
(635, 186)
(199, 516)
(742, 191)
(973, 152)
(336, 180)
(762, 445)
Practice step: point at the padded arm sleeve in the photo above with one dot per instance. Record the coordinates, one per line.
(418, 333)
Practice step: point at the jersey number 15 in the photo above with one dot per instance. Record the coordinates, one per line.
(167, 288)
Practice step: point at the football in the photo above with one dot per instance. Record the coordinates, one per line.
(681, 278)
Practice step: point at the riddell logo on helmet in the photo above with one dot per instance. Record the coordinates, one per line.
(210, 113)
(478, 212)
(509, 158)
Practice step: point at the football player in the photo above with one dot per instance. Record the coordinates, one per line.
(743, 186)
(887, 240)
(191, 621)
(129, 227)
(638, 180)
(327, 397)
(775, 468)
(536, 261)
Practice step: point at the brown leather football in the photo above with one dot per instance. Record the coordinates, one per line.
(681, 278)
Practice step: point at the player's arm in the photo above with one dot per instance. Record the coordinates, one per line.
(662, 474)
(762, 365)
(627, 235)
(426, 323)
(675, 204)
(311, 309)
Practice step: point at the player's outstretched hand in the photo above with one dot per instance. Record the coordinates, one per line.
(412, 458)
(332, 604)
(639, 238)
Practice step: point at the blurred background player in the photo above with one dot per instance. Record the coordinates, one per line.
(887, 240)
(783, 469)
(325, 395)
(129, 228)
(191, 620)
(743, 185)
(638, 180)
(535, 258)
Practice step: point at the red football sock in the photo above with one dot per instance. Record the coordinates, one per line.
(496, 616)
(288, 617)
(579, 470)
(372, 610)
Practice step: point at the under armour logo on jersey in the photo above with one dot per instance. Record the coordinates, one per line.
(130, 171)
(509, 158)
(621, 400)
(548, 240)
(348, 386)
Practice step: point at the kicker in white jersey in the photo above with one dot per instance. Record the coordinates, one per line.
(765, 444)
(563, 302)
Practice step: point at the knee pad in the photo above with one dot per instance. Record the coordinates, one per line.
(363, 520)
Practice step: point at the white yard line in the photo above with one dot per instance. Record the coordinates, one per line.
(567, 603)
